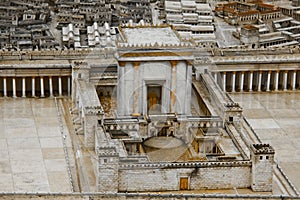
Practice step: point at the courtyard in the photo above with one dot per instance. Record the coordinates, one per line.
(32, 142)
(275, 117)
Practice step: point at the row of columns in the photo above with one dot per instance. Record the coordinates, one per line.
(33, 88)
(260, 80)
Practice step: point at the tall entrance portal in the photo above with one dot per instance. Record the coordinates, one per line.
(154, 99)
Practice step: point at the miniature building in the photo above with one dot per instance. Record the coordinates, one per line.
(192, 20)
(135, 10)
(71, 36)
(148, 123)
(154, 135)
(244, 13)
(250, 35)
(154, 92)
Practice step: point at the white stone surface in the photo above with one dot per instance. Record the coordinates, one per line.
(32, 158)
(150, 36)
(279, 125)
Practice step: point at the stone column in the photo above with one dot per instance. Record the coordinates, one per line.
(23, 87)
(233, 81)
(59, 86)
(276, 80)
(69, 86)
(188, 93)
(242, 81)
(259, 81)
(285, 75)
(42, 87)
(121, 90)
(268, 81)
(33, 87)
(136, 66)
(50, 86)
(14, 88)
(216, 77)
(4, 87)
(294, 80)
(173, 86)
(224, 81)
(250, 81)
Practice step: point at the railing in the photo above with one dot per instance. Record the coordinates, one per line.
(235, 141)
(63, 136)
(58, 54)
(205, 121)
(185, 165)
(286, 179)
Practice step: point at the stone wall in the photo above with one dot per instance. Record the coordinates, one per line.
(58, 54)
(167, 179)
(137, 196)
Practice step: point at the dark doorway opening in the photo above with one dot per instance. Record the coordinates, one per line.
(154, 93)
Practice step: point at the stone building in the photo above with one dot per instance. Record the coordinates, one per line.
(192, 20)
(135, 10)
(152, 110)
(237, 13)
(24, 25)
(83, 13)
(154, 136)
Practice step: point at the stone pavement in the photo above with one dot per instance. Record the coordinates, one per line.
(276, 119)
(32, 158)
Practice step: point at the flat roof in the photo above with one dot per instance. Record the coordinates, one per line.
(150, 35)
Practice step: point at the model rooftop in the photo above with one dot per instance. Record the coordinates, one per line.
(150, 35)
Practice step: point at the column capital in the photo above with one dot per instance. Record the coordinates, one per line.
(234, 72)
(269, 72)
(136, 63)
(224, 73)
(122, 63)
(173, 63)
(260, 71)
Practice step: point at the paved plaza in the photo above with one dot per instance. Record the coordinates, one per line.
(32, 158)
(276, 119)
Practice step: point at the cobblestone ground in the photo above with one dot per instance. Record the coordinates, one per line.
(276, 119)
(32, 157)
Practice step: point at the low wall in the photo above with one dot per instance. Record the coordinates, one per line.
(57, 54)
(164, 178)
(137, 196)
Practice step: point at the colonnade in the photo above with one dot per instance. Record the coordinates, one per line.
(273, 80)
(37, 86)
